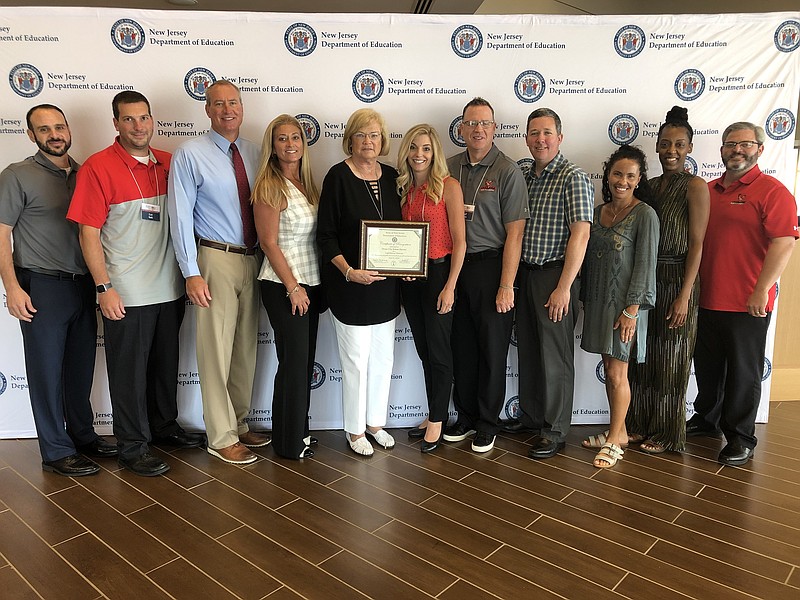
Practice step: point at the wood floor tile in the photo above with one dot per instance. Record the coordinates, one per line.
(117, 492)
(284, 593)
(463, 590)
(370, 548)
(23, 457)
(634, 586)
(370, 580)
(183, 503)
(14, 586)
(273, 525)
(185, 582)
(231, 570)
(752, 506)
(133, 543)
(44, 570)
(38, 512)
(301, 576)
(115, 577)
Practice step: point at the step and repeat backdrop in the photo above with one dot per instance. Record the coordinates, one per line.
(611, 79)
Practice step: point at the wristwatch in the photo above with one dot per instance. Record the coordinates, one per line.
(103, 287)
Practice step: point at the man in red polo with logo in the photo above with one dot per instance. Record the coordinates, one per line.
(751, 233)
(120, 206)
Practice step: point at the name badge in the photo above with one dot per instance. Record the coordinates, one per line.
(469, 212)
(151, 212)
(488, 186)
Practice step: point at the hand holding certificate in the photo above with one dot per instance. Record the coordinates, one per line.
(395, 248)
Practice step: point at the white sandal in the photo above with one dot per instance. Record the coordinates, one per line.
(383, 438)
(608, 456)
(360, 445)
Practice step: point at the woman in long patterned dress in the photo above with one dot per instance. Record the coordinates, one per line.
(618, 286)
(658, 408)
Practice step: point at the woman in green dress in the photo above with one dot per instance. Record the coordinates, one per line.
(618, 286)
(657, 415)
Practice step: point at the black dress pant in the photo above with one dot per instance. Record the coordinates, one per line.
(142, 362)
(480, 339)
(546, 351)
(296, 347)
(60, 344)
(729, 364)
(431, 336)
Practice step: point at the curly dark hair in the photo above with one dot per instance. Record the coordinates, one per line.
(642, 191)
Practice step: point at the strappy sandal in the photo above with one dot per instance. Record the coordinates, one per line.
(650, 447)
(608, 456)
(597, 441)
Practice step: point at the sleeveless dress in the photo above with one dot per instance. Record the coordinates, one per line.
(658, 386)
(619, 270)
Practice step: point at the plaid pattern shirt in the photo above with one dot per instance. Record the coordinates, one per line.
(562, 195)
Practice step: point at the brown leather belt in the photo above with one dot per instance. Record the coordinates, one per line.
(227, 247)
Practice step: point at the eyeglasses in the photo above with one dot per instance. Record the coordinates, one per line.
(361, 136)
(483, 124)
(745, 145)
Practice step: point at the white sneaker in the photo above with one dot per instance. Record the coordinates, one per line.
(383, 438)
(360, 445)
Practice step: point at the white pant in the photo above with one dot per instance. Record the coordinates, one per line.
(366, 353)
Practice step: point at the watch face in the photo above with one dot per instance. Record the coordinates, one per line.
(103, 287)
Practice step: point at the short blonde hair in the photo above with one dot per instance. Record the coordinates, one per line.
(357, 121)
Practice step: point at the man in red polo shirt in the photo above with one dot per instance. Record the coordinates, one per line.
(751, 233)
(120, 206)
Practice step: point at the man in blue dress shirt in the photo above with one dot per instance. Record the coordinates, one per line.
(217, 252)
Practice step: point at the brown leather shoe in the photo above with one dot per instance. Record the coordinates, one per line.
(236, 454)
(251, 439)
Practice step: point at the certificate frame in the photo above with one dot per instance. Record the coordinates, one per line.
(395, 248)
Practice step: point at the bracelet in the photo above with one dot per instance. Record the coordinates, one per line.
(507, 287)
(296, 289)
(347, 274)
(629, 315)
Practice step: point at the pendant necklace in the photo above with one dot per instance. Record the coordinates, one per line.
(621, 210)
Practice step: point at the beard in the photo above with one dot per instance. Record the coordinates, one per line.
(52, 152)
(745, 165)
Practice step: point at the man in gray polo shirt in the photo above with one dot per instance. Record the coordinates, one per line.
(48, 290)
(495, 209)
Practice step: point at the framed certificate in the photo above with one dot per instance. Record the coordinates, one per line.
(395, 248)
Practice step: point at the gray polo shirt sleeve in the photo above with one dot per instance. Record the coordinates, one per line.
(514, 200)
(12, 197)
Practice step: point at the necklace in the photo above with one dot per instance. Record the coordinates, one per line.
(621, 210)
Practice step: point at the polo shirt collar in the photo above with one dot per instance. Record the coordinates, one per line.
(487, 160)
(745, 179)
(129, 160)
(41, 158)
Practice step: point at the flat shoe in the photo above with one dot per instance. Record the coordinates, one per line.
(608, 456)
(650, 447)
(416, 433)
(383, 438)
(598, 441)
(360, 445)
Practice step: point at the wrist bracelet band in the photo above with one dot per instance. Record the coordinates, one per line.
(296, 288)
(507, 287)
(347, 274)
(629, 315)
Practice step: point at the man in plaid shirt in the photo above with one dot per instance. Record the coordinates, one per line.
(561, 201)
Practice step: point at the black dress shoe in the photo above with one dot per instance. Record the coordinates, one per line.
(145, 465)
(99, 448)
(74, 465)
(428, 447)
(181, 439)
(514, 426)
(545, 447)
(735, 455)
(416, 433)
(312, 441)
(696, 427)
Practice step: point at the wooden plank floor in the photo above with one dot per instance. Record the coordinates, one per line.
(401, 525)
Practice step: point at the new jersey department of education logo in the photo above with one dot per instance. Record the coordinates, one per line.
(767, 369)
(127, 35)
(455, 137)
(368, 85)
(623, 129)
(525, 164)
(197, 81)
(512, 407)
(317, 376)
(690, 84)
(690, 166)
(466, 41)
(529, 86)
(3, 384)
(787, 36)
(780, 124)
(629, 41)
(26, 80)
(600, 373)
(300, 39)
(310, 127)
